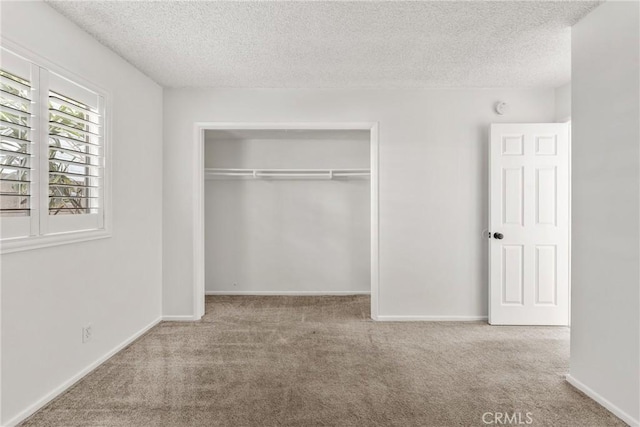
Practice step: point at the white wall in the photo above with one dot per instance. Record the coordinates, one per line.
(288, 236)
(433, 182)
(563, 102)
(605, 304)
(115, 283)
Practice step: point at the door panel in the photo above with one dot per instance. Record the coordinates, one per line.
(513, 196)
(546, 280)
(546, 196)
(529, 206)
(513, 280)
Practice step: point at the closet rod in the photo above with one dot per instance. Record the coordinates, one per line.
(211, 173)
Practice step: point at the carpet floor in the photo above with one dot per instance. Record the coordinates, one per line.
(320, 361)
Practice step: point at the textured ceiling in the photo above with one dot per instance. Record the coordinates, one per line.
(338, 44)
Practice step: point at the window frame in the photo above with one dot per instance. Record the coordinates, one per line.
(40, 171)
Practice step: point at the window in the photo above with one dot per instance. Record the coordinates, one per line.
(52, 157)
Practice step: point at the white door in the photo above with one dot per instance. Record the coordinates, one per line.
(529, 224)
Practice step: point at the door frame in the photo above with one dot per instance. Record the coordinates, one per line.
(198, 195)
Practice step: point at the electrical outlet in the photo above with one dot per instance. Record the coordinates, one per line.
(87, 333)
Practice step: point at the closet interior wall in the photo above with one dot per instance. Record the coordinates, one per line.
(293, 235)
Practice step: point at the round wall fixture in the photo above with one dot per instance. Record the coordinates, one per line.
(501, 107)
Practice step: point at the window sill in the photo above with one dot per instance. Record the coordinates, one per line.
(36, 242)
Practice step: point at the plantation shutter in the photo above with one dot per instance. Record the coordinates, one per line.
(75, 156)
(52, 156)
(16, 148)
(15, 151)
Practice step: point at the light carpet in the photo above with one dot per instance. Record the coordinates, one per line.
(320, 361)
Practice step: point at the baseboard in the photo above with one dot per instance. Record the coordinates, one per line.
(77, 377)
(288, 293)
(602, 401)
(180, 318)
(392, 318)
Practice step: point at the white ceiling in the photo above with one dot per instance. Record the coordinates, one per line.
(338, 44)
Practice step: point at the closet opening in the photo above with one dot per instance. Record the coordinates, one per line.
(286, 209)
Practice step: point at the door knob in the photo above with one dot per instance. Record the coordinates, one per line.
(498, 236)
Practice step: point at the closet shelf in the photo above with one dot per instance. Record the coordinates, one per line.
(216, 173)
